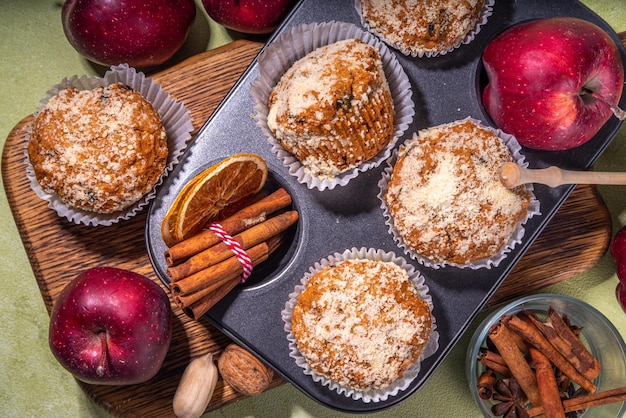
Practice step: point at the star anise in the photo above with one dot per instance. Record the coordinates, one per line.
(562, 380)
(571, 393)
(511, 399)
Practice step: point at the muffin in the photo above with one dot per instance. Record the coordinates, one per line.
(444, 196)
(429, 27)
(361, 323)
(98, 150)
(332, 109)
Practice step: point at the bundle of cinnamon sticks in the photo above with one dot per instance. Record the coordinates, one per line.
(545, 358)
(203, 268)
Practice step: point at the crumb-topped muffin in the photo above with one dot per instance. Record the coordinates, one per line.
(417, 27)
(333, 109)
(445, 197)
(361, 323)
(99, 150)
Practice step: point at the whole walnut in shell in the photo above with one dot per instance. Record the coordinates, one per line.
(243, 371)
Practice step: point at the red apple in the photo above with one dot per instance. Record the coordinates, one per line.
(618, 245)
(620, 270)
(111, 326)
(248, 16)
(620, 294)
(141, 33)
(553, 82)
(618, 253)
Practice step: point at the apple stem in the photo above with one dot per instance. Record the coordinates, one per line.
(619, 113)
(103, 360)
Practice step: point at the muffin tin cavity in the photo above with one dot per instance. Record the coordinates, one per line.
(264, 273)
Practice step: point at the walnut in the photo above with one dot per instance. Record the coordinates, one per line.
(243, 371)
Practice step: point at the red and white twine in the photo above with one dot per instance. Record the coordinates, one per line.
(239, 252)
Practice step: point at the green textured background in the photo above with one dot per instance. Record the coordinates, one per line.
(34, 55)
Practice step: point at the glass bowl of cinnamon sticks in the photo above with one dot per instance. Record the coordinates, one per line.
(547, 355)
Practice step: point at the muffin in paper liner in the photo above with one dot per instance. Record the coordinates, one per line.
(418, 51)
(174, 115)
(515, 238)
(411, 373)
(297, 42)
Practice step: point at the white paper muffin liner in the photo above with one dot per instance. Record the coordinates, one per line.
(411, 373)
(487, 11)
(515, 238)
(174, 115)
(299, 41)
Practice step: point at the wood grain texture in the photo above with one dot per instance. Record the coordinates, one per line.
(574, 240)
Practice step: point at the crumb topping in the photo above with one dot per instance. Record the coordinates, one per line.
(100, 150)
(422, 25)
(445, 196)
(361, 323)
(332, 109)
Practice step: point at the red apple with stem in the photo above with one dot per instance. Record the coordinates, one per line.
(553, 82)
(141, 33)
(248, 16)
(110, 326)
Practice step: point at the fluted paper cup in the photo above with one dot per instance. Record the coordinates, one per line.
(411, 373)
(296, 43)
(516, 236)
(175, 118)
(421, 51)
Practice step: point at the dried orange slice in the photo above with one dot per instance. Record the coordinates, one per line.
(207, 194)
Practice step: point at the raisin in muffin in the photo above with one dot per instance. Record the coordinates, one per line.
(333, 109)
(445, 198)
(99, 150)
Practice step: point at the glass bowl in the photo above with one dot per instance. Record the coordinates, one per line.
(598, 335)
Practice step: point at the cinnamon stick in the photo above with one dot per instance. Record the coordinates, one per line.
(548, 388)
(586, 365)
(578, 403)
(519, 367)
(247, 239)
(244, 218)
(532, 336)
(197, 309)
(193, 288)
(494, 361)
(589, 365)
(485, 384)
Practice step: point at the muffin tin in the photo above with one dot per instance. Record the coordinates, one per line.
(350, 216)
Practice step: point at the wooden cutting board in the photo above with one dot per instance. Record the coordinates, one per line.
(573, 241)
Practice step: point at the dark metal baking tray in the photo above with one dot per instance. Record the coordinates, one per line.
(445, 89)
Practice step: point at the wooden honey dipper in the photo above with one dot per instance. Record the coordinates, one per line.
(512, 175)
